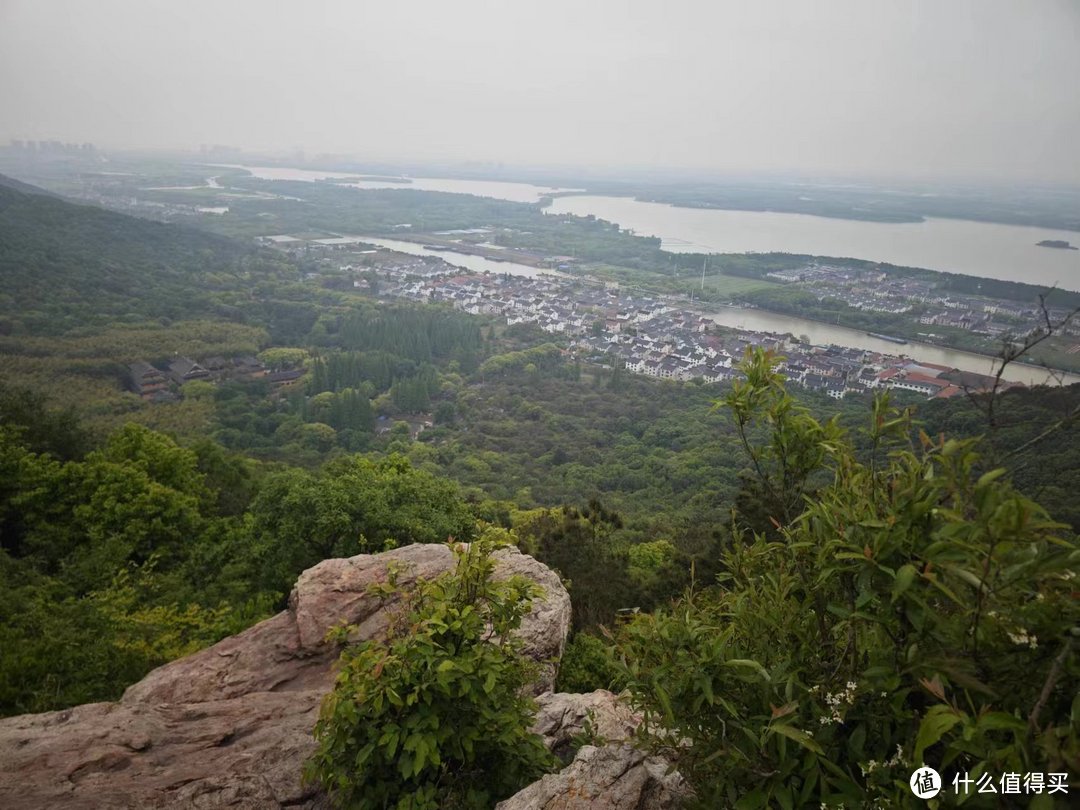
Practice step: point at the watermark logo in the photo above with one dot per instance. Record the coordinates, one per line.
(925, 782)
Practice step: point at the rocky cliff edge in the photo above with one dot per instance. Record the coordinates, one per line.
(230, 726)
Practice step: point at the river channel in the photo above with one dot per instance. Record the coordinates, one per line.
(983, 249)
(478, 264)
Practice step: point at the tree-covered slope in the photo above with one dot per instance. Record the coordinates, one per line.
(27, 188)
(64, 265)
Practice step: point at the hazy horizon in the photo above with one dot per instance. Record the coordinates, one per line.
(972, 90)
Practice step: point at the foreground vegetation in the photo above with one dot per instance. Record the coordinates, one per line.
(904, 610)
(140, 551)
(435, 715)
(910, 611)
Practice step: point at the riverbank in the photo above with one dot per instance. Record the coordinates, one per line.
(1027, 373)
(736, 315)
(977, 333)
(742, 288)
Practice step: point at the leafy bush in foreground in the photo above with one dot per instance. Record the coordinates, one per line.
(433, 716)
(909, 612)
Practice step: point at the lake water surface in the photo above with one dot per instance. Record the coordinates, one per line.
(982, 249)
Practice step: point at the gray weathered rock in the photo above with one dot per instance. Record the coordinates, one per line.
(612, 777)
(231, 725)
(562, 716)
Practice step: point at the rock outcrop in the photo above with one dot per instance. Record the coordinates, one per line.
(611, 777)
(230, 726)
(561, 717)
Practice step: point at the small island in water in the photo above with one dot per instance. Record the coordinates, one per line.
(1060, 244)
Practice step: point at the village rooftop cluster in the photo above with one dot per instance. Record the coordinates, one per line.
(877, 291)
(651, 334)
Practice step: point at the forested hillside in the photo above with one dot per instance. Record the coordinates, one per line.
(68, 266)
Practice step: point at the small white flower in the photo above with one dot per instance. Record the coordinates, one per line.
(1022, 639)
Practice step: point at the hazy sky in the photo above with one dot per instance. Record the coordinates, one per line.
(977, 88)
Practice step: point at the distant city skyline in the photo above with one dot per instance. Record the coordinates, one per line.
(970, 91)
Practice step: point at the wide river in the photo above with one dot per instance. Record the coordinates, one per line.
(1007, 252)
(972, 248)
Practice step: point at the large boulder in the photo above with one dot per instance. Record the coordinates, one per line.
(230, 726)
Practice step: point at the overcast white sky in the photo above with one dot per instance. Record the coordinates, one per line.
(975, 88)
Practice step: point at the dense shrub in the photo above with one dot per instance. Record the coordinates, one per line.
(434, 715)
(587, 664)
(911, 612)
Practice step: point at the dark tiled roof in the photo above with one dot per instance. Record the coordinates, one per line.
(140, 368)
(285, 376)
